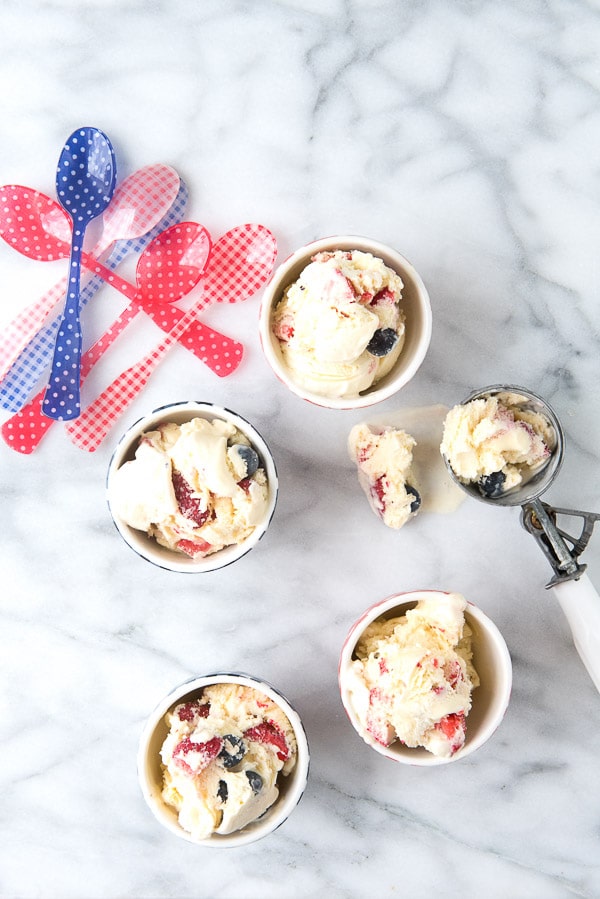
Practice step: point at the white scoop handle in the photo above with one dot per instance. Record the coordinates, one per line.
(580, 602)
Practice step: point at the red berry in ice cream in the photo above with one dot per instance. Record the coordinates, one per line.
(267, 732)
(195, 757)
(189, 505)
(190, 711)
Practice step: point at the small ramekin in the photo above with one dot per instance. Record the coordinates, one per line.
(415, 304)
(146, 546)
(150, 771)
(490, 699)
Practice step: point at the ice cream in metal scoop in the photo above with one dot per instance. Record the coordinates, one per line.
(504, 445)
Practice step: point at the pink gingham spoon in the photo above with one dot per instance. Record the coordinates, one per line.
(241, 262)
(139, 202)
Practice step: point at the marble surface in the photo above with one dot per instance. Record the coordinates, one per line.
(464, 134)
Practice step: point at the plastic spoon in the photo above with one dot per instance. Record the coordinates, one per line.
(576, 594)
(40, 231)
(138, 204)
(158, 273)
(240, 263)
(85, 182)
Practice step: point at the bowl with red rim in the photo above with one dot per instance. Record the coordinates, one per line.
(491, 660)
(147, 547)
(150, 771)
(415, 304)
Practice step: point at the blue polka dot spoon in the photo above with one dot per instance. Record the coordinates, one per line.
(85, 181)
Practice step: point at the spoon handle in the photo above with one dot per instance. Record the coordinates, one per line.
(25, 430)
(93, 425)
(62, 398)
(580, 603)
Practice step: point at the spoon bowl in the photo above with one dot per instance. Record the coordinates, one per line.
(85, 182)
(531, 489)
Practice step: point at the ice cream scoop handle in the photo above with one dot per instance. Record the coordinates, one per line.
(580, 602)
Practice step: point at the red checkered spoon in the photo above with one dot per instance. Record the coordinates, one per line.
(139, 202)
(241, 262)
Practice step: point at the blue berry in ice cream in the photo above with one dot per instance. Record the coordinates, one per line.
(382, 342)
(255, 781)
(232, 751)
(249, 458)
(492, 485)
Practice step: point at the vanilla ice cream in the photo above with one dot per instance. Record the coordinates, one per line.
(339, 325)
(412, 676)
(195, 487)
(496, 443)
(383, 458)
(222, 758)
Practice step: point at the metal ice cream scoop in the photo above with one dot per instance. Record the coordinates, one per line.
(576, 594)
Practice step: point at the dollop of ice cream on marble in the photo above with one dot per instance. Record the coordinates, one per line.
(383, 458)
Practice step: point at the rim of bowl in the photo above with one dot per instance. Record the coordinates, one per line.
(293, 786)
(290, 268)
(420, 756)
(146, 547)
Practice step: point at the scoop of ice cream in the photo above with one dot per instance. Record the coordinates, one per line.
(195, 487)
(340, 327)
(412, 676)
(384, 462)
(222, 758)
(496, 442)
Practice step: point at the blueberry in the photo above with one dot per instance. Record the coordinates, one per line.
(249, 457)
(416, 503)
(232, 751)
(222, 792)
(492, 485)
(382, 342)
(255, 781)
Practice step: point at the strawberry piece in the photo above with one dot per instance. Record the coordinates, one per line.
(268, 733)
(193, 547)
(383, 296)
(284, 329)
(377, 723)
(378, 494)
(245, 484)
(453, 673)
(189, 711)
(189, 505)
(195, 757)
(453, 727)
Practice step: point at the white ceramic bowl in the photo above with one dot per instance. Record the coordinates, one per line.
(147, 547)
(490, 699)
(415, 304)
(150, 772)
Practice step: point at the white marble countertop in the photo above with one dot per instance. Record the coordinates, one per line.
(464, 134)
